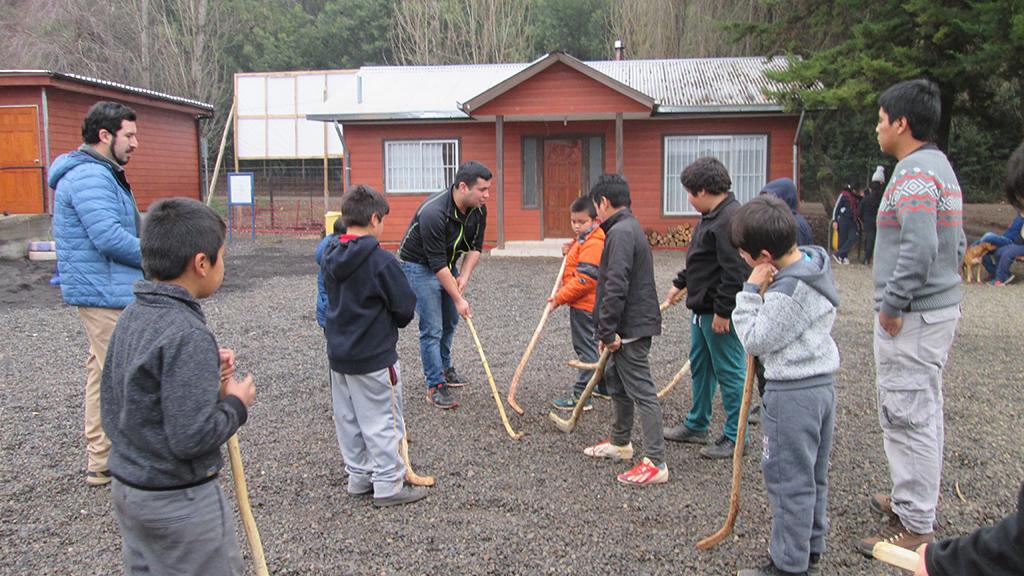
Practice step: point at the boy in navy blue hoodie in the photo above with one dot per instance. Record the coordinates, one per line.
(368, 300)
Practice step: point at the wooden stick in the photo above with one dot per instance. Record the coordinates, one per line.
(574, 363)
(533, 342)
(494, 388)
(675, 380)
(212, 184)
(410, 476)
(570, 424)
(737, 463)
(252, 534)
(896, 556)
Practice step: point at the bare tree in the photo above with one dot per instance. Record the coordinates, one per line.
(461, 31)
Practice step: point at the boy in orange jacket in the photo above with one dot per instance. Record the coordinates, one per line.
(579, 285)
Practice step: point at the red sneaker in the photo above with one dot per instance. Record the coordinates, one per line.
(644, 473)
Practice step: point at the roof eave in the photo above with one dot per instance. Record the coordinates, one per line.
(388, 116)
(719, 109)
(206, 110)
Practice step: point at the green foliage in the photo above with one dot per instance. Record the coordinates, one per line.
(576, 27)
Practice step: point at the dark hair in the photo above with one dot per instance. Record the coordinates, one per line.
(708, 174)
(919, 101)
(174, 231)
(339, 226)
(359, 204)
(1015, 179)
(584, 204)
(613, 187)
(764, 223)
(104, 116)
(470, 172)
(876, 187)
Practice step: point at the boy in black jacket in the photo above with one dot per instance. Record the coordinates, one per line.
(713, 274)
(162, 404)
(368, 300)
(626, 316)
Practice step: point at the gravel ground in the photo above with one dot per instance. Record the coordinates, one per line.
(536, 506)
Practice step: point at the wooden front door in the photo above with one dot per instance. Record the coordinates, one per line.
(563, 183)
(21, 172)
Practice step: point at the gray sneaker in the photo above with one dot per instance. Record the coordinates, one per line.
(683, 434)
(407, 495)
(442, 397)
(721, 449)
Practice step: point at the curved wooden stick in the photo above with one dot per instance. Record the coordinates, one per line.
(494, 388)
(896, 556)
(410, 476)
(570, 424)
(511, 399)
(675, 380)
(252, 534)
(574, 363)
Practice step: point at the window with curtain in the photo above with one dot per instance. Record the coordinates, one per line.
(746, 158)
(418, 166)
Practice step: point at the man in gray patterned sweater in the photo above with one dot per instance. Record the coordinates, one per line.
(920, 244)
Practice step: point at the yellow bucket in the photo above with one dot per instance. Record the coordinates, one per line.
(329, 219)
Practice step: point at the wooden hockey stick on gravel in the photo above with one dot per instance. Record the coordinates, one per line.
(737, 459)
(570, 424)
(410, 476)
(252, 534)
(511, 399)
(490, 379)
(675, 380)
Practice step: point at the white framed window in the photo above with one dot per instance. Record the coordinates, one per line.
(418, 166)
(746, 158)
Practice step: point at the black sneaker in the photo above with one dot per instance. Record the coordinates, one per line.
(452, 378)
(442, 397)
(683, 434)
(720, 450)
(407, 495)
(768, 569)
(601, 392)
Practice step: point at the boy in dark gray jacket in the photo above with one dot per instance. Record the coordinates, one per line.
(163, 405)
(790, 331)
(626, 316)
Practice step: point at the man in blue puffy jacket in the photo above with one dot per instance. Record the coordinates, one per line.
(96, 225)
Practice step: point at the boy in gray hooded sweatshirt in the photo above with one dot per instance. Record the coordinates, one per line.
(790, 331)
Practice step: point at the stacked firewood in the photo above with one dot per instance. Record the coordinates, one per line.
(675, 236)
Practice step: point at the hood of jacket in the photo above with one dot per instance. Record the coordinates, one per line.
(67, 162)
(783, 189)
(346, 254)
(813, 270)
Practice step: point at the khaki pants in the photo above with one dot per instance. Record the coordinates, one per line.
(99, 325)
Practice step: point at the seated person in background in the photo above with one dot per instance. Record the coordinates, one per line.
(1009, 246)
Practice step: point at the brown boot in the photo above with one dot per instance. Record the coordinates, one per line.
(894, 532)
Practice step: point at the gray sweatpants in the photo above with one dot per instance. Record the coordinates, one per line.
(584, 343)
(909, 381)
(797, 427)
(176, 532)
(628, 379)
(368, 422)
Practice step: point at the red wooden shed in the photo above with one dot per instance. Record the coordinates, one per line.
(41, 116)
(548, 128)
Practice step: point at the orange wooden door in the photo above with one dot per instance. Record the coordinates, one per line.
(563, 183)
(21, 171)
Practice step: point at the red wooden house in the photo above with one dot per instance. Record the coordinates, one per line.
(41, 116)
(548, 128)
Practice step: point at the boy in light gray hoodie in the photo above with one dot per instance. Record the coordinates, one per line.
(789, 331)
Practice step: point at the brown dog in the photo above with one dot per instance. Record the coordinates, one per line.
(972, 261)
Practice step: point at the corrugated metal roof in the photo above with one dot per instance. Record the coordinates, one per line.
(678, 86)
(111, 85)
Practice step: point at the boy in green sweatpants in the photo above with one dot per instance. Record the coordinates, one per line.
(713, 274)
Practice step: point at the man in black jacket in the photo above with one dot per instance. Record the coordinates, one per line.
(626, 316)
(446, 226)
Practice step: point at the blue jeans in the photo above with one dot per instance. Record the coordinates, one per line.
(438, 319)
(997, 263)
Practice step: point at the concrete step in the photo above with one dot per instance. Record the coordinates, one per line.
(549, 247)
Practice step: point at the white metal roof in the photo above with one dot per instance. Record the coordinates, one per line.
(111, 85)
(436, 92)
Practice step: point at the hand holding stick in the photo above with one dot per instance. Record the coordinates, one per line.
(490, 379)
(533, 342)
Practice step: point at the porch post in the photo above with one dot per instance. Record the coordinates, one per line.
(499, 138)
(618, 143)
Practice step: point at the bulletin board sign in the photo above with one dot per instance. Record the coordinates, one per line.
(240, 193)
